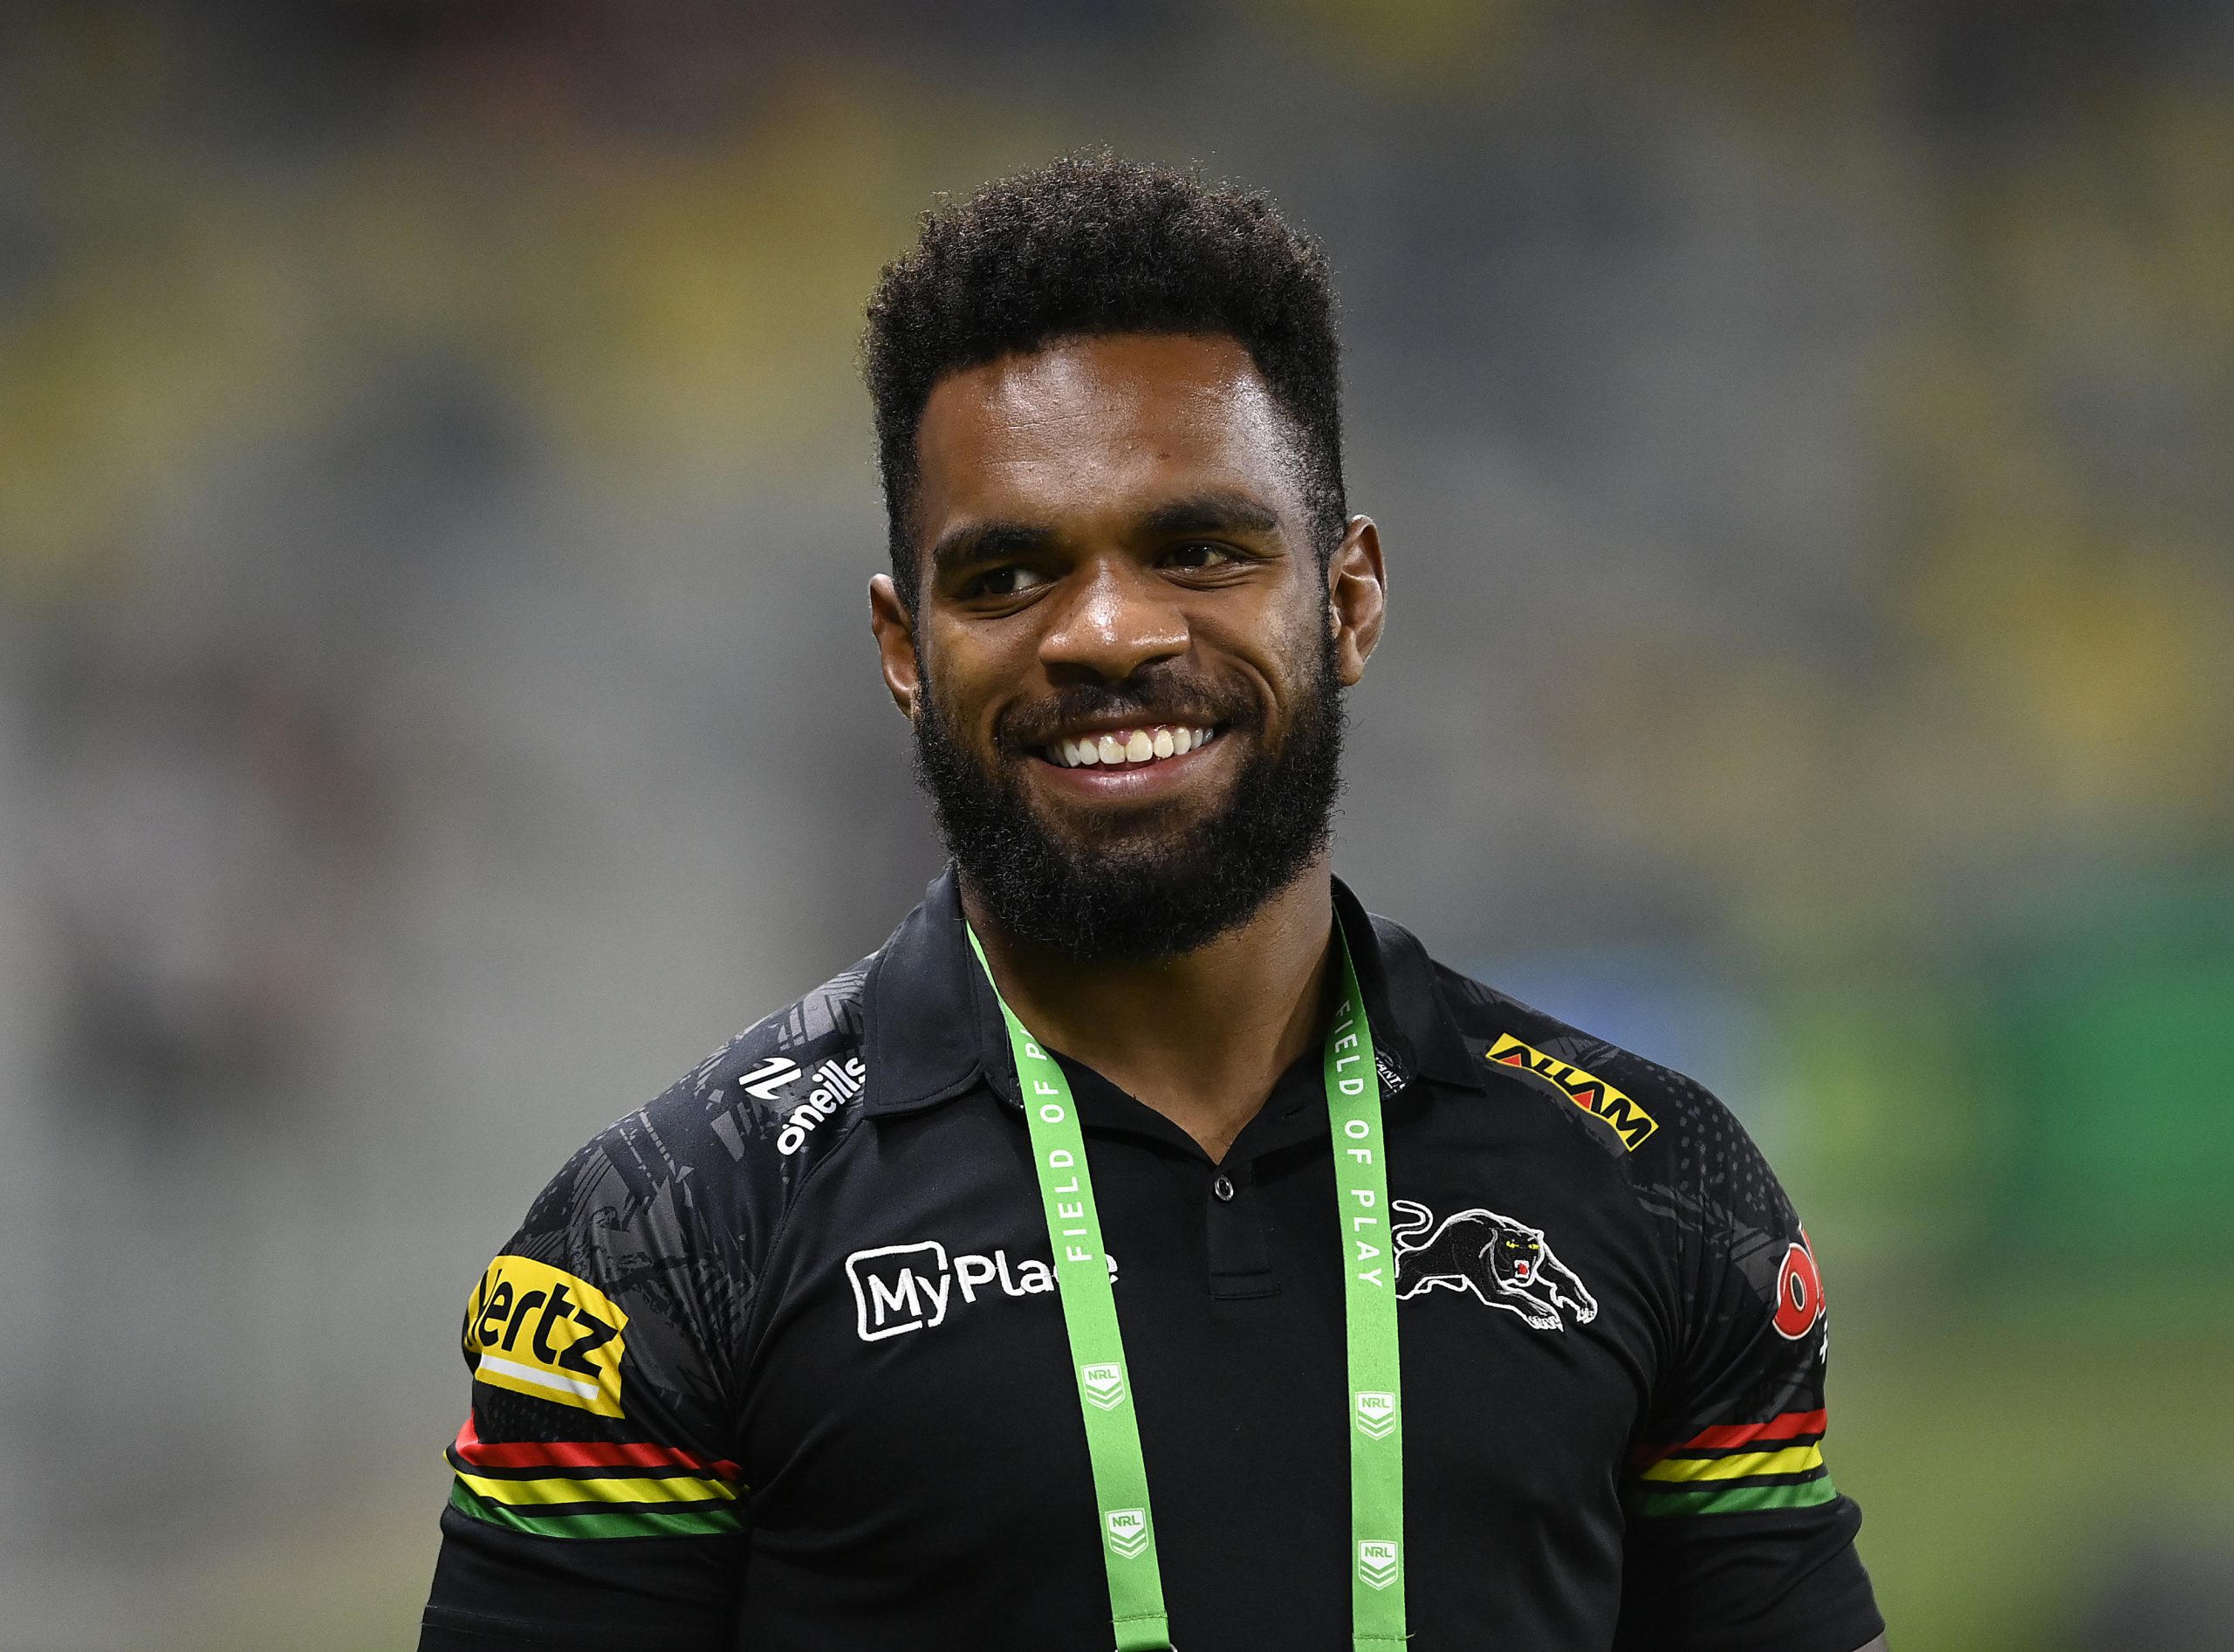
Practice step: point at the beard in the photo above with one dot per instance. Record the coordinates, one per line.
(1133, 884)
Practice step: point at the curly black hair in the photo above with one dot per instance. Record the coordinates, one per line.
(1095, 244)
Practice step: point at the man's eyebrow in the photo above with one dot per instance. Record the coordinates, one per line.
(1211, 513)
(978, 542)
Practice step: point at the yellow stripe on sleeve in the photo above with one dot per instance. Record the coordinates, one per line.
(526, 1493)
(1796, 1459)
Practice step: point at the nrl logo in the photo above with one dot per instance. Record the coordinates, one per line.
(1505, 1264)
(1128, 1532)
(1376, 1413)
(1376, 1564)
(1105, 1387)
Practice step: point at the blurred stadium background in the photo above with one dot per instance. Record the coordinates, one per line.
(435, 703)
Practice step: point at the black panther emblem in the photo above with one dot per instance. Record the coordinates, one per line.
(1506, 1263)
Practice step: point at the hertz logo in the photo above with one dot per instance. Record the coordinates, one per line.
(1593, 1095)
(539, 1331)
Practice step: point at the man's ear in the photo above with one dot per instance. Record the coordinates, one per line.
(894, 628)
(895, 645)
(1357, 598)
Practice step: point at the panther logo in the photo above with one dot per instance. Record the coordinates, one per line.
(1505, 1263)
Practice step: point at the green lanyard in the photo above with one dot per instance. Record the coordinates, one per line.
(1112, 1429)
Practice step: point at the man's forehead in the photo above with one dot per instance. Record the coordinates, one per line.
(1109, 422)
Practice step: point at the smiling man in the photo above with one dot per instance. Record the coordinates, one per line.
(1145, 1244)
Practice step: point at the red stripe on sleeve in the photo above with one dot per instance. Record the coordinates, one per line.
(1789, 1426)
(583, 1454)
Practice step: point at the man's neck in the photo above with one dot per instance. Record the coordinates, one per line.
(1200, 1037)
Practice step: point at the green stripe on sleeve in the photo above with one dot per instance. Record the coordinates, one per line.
(1732, 1499)
(602, 1522)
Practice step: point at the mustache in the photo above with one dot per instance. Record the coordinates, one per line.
(1169, 700)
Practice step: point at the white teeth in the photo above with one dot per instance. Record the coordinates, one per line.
(1129, 746)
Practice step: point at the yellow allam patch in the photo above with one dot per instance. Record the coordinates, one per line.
(1593, 1094)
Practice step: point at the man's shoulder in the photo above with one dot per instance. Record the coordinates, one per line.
(726, 1145)
(781, 1092)
(1633, 1106)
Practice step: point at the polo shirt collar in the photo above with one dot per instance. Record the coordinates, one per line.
(933, 1028)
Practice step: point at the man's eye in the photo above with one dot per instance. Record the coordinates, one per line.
(1005, 582)
(1198, 556)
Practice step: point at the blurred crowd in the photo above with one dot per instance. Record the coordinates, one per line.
(435, 704)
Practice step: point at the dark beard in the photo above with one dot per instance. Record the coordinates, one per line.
(1139, 890)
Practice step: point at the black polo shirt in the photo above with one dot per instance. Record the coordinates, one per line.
(776, 1362)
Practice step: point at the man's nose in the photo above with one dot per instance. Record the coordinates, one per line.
(1113, 622)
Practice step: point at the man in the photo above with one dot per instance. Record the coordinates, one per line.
(823, 1349)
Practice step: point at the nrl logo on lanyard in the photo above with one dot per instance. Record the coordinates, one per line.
(1376, 1413)
(1128, 1532)
(1104, 1384)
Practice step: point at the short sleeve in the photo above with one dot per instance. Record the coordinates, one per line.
(595, 1501)
(1737, 1538)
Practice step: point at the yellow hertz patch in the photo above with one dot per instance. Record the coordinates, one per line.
(1593, 1095)
(539, 1331)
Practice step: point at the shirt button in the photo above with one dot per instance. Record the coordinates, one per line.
(1222, 1187)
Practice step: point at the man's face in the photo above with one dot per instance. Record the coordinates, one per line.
(1124, 668)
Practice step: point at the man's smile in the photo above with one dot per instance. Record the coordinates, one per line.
(1114, 748)
(1137, 762)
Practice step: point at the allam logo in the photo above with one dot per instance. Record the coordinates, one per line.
(1615, 1108)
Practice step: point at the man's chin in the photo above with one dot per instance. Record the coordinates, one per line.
(1093, 803)
(1124, 826)
(1135, 860)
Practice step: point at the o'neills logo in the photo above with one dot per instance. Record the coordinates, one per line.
(899, 1288)
(1593, 1095)
(835, 1084)
(539, 1331)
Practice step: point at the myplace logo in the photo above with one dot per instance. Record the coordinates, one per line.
(899, 1288)
(1128, 1532)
